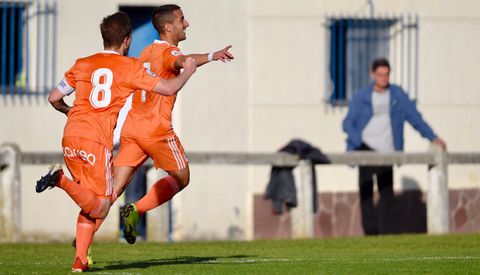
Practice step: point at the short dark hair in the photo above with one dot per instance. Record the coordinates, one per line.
(380, 62)
(162, 15)
(115, 28)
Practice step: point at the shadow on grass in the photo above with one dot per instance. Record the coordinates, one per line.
(185, 260)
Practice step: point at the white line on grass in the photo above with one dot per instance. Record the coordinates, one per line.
(248, 261)
(325, 260)
(431, 258)
(428, 258)
(405, 259)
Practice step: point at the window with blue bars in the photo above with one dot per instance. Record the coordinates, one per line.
(355, 42)
(11, 45)
(24, 70)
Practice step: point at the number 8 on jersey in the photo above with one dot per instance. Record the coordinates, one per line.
(101, 100)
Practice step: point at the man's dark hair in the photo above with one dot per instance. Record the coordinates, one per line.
(115, 28)
(163, 15)
(380, 62)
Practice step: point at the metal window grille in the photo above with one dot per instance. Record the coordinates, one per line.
(27, 47)
(353, 44)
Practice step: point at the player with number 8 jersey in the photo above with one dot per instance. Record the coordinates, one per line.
(102, 83)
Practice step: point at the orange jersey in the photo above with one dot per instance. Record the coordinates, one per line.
(151, 113)
(102, 83)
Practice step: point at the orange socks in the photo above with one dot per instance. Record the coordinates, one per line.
(83, 197)
(85, 231)
(162, 191)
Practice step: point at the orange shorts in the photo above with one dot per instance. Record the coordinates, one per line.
(90, 164)
(167, 154)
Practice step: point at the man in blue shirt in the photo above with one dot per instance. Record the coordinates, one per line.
(374, 122)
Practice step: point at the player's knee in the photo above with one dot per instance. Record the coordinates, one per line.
(182, 177)
(184, 182)
(102, 210)
(99, 215)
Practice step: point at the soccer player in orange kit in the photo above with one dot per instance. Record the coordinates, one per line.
(102, 82)
(148, 130)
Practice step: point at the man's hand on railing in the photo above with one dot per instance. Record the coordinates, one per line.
(440, 143)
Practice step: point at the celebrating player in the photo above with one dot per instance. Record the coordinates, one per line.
(102, 82)
(148, 130)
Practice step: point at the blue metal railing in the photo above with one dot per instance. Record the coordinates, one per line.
(327, 79)
(354, 42)
(16, 55)
(12, 49)
(27, 54)
(341, 58)
(20, 43)
(3, 68)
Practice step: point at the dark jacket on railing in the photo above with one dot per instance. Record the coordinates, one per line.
(401, 109)
(281, 188)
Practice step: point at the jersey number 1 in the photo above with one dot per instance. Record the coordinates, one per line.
(101, 94)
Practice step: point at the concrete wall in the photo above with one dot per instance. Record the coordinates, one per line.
(271, 93)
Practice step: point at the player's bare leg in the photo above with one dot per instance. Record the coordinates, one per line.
(161, 192)
(182, 176)
(122, 177)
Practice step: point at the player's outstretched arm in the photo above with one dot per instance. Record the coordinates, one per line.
(56, 99)
(172, 86)
(223, 55)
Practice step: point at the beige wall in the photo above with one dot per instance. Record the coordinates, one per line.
(271, 93)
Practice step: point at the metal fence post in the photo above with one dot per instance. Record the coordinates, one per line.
(302, 215)
(10, 201)
(437, 198)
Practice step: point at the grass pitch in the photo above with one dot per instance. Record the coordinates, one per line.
(404, 254)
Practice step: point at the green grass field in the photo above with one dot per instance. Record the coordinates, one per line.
(404, 254)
